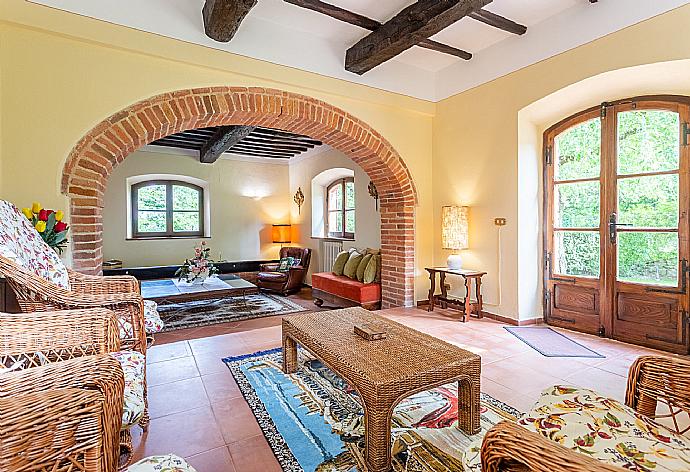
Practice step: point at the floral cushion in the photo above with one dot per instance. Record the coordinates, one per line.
(169, 463)
(152, 321)
(607, 430)
(133, 364)
(603, 429)
(21, 243)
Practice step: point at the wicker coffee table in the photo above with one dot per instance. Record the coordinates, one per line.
(384, 371)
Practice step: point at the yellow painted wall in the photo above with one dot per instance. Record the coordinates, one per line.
(60, 76)
(245, 197)
(479, 160)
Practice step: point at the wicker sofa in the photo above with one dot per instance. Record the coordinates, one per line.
(609, 435)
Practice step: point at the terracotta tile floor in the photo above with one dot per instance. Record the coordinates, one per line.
(198, 412)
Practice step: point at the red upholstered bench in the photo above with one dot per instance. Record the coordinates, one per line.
(343, 291)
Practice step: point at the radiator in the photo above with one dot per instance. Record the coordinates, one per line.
(329, 251)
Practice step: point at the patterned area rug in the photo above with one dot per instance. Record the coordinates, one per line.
(213, 311)
(313, 420)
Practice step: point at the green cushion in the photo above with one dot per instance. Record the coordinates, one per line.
(352, 264)
(362, 266)
(378, 268)
(285, 264)
(340, 261)
(371, 269)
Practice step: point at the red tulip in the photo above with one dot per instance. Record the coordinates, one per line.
(60, 226)
(43, 215)
(50, 211)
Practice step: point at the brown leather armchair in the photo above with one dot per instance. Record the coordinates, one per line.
(289, 281)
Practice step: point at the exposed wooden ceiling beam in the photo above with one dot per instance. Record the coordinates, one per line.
(285, 134)
(413, 24)
(497, 21)
(259, 154)
(224, 138)
(201, 133)
(222, 18)
(186, 138)
(371, 25)
(173, 144)
(277, 142)
(245, 147)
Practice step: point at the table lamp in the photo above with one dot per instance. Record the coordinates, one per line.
(454, 233)
(282, 234)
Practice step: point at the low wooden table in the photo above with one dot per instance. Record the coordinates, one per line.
(165, 291)
(385, 371)
(465, 305)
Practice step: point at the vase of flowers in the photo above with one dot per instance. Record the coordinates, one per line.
(197, 269)
(49, 224)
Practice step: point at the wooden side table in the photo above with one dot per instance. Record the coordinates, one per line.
(465, 305)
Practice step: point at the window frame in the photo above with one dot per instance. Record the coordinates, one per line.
(169, 211)
(343, 211)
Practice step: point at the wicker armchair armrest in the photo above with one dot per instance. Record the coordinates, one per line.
(57, 335)
(30, 422)
(98, 285)
(26, 281)
(655, 377)
(102, 374)
(510, 447)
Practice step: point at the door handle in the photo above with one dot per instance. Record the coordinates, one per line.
(613, 227)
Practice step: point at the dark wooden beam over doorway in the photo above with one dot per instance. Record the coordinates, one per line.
(224, 138)
(222, 18)
(413, 24)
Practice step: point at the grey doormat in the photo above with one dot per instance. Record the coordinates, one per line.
(213, 311)
(549, 342)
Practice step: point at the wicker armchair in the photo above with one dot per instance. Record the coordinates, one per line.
(60, 393)
(118, 293)
(651, 380)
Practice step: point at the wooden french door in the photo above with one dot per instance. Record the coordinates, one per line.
(616, 222)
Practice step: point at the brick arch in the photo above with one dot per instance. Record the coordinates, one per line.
(94, 157)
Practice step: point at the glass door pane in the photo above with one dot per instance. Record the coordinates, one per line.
(576, 200)
(648, 196)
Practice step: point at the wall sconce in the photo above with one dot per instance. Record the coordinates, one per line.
(373, 192)
(454, 233)
(299, 200)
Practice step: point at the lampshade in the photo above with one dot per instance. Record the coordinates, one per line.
(454, 227)
(282, 233)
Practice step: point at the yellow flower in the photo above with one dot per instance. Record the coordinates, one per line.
(28, 213)
(59, 215)
(41, 226)
(36, 207)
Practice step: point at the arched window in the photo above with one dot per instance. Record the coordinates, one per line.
(167, 209)
(340, 207)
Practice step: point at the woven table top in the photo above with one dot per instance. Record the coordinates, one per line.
(405, 355)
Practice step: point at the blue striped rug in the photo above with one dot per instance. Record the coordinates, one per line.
(313, 420)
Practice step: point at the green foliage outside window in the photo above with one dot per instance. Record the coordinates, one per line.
(647, 142)
(153, 213)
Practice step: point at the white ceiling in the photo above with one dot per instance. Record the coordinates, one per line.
(285, 34)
